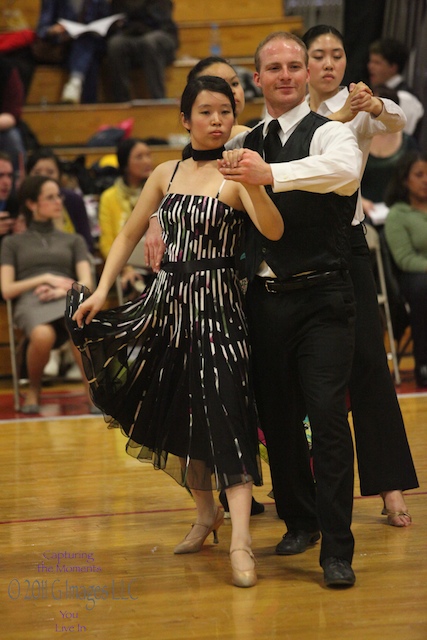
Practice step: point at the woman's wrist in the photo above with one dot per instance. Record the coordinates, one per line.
(377, 108)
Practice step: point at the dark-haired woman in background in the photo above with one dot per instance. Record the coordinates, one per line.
(117, 203)
(220, 67)
(406, 235)
(383, 454)
(38, 267)
(74, 218)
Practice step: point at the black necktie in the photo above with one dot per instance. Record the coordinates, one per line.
(272, 142)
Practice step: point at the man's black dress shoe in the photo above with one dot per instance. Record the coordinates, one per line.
(256, 507)
(338, 573)
(294, 542)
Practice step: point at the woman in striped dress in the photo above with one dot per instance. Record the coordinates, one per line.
(172, 368)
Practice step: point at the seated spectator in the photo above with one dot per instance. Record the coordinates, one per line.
(84, 52)
(8, 203)
(117, 202)
(384, 154)
(38, 267)
(387, 61)
(148, 40)
(74, 219)
(406, 235)
(11, 103)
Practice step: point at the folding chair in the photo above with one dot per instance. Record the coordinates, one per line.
(13, 355)
(373, 240)
(399, 307)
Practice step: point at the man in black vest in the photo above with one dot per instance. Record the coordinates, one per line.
(300, 304)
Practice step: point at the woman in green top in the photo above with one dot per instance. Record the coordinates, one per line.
(406, 234)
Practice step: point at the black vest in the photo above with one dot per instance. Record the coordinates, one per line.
(404, 86)
(317, 226)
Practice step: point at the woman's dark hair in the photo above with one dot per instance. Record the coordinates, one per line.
(320, 30)
(204, 83)
(124, 149)
(42, 154)
(397, 190)
(30, 189)
(205, 63)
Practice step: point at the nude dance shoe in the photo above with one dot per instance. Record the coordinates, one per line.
(241, 578)
(193, 545)
(394, 517)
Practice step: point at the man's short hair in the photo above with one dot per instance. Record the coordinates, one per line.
(5, 157)
(394, 51)
(279, 35)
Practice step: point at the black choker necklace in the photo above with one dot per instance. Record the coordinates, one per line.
(206, 154)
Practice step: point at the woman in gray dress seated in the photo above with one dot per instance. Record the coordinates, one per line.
(38, 267)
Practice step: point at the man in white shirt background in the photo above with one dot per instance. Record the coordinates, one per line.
(387, 62)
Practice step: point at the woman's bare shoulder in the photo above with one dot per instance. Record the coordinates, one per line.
(166, 167)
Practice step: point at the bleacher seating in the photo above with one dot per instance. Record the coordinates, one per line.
(241, 26)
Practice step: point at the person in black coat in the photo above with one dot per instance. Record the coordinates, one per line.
(148, 39)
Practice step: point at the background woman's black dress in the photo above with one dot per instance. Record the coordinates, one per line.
(172, 367)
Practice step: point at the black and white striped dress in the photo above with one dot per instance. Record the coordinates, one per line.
(172, 367)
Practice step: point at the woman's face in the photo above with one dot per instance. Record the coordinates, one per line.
(227, 73)
(211, 120)
(416, 182)
(48, 205)
(140, 164)
(326, 62)
(45, 167)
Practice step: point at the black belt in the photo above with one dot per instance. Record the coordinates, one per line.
(273, 285)
(191, 266)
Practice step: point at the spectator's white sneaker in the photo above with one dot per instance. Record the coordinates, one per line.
(53, 365)
(72, 91)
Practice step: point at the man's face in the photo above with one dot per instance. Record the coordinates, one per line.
(283, 75)
(380, 70)
(6, 179)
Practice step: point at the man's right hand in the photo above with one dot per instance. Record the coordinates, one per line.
(154, 247)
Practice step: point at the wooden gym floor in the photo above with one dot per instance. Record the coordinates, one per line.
(87, 534)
